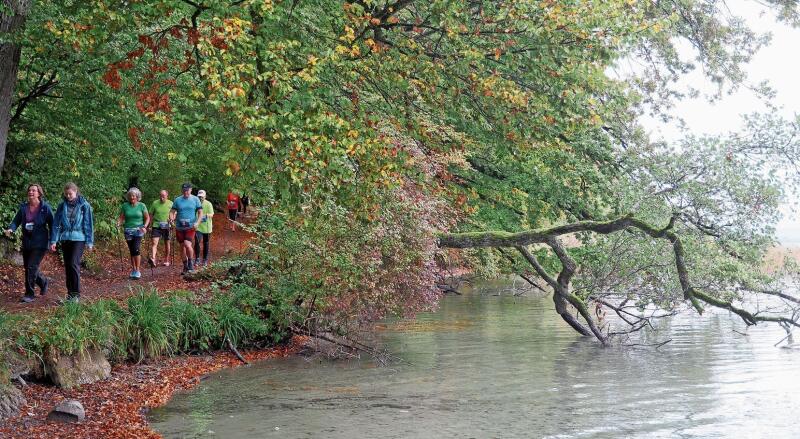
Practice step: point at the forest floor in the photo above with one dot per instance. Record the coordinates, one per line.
(107, 273)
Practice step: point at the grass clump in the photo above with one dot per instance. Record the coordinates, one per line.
(147, 326)
(240, 326)
(195, 330)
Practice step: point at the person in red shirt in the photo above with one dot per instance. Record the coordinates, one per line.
(233, 208)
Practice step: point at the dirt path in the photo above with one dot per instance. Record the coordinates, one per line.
(110, 279)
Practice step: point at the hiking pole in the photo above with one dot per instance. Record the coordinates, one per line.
(150, 248)
(119, 246)
(174, 241)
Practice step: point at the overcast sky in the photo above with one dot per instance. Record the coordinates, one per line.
(777, 63)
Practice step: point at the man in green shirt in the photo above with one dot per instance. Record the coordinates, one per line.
(204, 229)
(161, 224)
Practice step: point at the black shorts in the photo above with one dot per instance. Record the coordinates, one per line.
(232, 214)
(160, 233)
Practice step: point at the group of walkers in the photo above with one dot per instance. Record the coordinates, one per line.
(72, 228)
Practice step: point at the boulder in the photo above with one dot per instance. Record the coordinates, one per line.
(11, 400)
(75, 370)
(23, 367)
(67, 411)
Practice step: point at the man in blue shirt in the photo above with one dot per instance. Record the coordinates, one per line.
(186, 213)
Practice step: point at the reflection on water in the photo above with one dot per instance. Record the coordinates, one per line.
(487, 366)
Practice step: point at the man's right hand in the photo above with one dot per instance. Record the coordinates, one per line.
(8, 232)
(52, 247)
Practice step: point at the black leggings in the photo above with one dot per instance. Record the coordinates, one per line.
(73, 252)
(205, 238)
(31, 258)
(134, 245)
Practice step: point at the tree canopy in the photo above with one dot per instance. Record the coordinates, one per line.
(401, 119)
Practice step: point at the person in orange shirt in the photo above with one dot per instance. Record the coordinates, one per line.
(233, 208)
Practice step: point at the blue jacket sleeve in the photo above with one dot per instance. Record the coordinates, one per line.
(55, 231)
(17, 220)
(88, 225)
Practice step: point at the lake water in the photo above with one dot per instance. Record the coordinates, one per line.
(488, 364)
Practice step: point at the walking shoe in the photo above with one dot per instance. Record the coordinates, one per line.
(185, 268)
(133, 274)
(151, 262)
(205, 262)
(26, 299)
(196, 262)
(44, 287)
(166, 263)
(136, 275)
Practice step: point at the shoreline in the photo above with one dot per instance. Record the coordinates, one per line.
(117, 407)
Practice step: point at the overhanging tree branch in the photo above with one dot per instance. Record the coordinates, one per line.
(694, 295)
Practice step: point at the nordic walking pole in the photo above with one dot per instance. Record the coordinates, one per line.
(174, 241)
(150, 248)
(119, 246)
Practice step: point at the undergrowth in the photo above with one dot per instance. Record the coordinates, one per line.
(148, 326)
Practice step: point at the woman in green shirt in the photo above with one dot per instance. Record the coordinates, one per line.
(135, 218)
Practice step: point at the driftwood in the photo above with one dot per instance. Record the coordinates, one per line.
(234, 350)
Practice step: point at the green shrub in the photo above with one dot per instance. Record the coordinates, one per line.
(148, 328)
(195, 329)
(238, 326)
(74, 328)
(5, 345)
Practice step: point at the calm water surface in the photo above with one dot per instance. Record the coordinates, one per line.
(490, 366)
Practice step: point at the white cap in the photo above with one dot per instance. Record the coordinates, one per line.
(201, 193)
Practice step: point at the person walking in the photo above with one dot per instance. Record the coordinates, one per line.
(160, 217)
(204, 229)
(36, 218)
(186, 213)
(135, 219)
(245, 201)
(73, 227)
(233, 209)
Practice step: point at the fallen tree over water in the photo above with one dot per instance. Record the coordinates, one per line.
(561, 282)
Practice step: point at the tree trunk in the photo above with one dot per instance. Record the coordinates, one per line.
(17, 10)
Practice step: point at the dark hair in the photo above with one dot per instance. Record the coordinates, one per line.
(38, 188)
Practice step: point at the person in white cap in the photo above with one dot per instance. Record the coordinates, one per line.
(204, 229)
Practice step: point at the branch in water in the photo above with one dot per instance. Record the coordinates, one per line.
(560, 286)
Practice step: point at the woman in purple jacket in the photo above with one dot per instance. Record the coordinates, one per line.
(36, 219)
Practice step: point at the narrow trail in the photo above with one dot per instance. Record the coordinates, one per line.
(110, 278)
